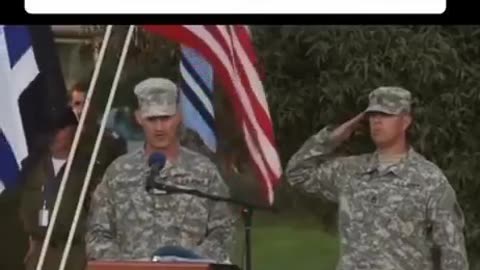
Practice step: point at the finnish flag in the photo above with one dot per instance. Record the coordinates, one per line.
(31, 90)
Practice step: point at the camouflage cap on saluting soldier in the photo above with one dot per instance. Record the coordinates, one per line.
(157, 97)
(390, 100)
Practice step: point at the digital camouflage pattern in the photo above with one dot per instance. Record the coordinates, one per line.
(126, 222)
(390, 100)
(389, 219)
(157, 97)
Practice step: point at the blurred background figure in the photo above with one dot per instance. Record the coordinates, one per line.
(42, 175)
(112, 145)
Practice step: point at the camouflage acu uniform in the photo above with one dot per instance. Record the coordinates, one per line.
(127, 222)
(390, 217)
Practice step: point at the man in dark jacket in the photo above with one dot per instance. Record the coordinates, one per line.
(42, 175)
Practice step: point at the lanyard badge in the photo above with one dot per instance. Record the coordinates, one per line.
(43, 217)
(43, 214)
(49, 192)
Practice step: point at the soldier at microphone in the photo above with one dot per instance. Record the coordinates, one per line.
(129, 222)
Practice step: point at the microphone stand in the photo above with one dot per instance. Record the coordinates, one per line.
(247, 212)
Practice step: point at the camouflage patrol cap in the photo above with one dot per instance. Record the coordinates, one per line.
(390, 100)
(157, 97)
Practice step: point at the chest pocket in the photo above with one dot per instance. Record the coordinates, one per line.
(405, 201)
(192, 210)
(191, 207)
(362, 192)
(133, 205)
(387, 196)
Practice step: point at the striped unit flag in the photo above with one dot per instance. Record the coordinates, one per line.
(196, 97)
(230, 50)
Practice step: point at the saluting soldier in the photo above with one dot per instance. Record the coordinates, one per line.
(395, 206)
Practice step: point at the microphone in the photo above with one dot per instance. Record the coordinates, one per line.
(178, 253)
(174, 251)
(156, 161)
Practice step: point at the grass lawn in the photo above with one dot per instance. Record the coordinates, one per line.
(290, 244)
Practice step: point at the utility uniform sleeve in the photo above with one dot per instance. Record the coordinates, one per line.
(447, 224)
(101, 231)
(314, 170)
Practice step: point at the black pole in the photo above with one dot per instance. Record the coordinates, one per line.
(247, 212)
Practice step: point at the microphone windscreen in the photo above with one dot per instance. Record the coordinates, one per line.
(157, 159)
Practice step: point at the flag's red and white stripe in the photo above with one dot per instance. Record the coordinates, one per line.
(232, 54)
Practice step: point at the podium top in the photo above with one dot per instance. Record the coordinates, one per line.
(139, 265)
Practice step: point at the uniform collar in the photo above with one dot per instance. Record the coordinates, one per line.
(398, 168)
(176, 165)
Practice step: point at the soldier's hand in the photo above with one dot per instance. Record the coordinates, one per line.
(345, 130)
(31, 248)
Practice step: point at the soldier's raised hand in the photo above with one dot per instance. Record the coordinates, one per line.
(345, 130)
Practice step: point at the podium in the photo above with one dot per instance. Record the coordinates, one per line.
(137, 265)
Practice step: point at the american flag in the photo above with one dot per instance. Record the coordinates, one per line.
(230, 50)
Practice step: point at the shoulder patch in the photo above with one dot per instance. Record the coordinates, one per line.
(448, 198)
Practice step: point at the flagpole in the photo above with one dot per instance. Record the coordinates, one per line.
(93, 158)
(71, 154)
(247, 212)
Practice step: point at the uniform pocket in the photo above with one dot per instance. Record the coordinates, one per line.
(406, 210)
(405, 204)
(195, 219)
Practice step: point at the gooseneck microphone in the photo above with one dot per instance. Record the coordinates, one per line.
(156, 162)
